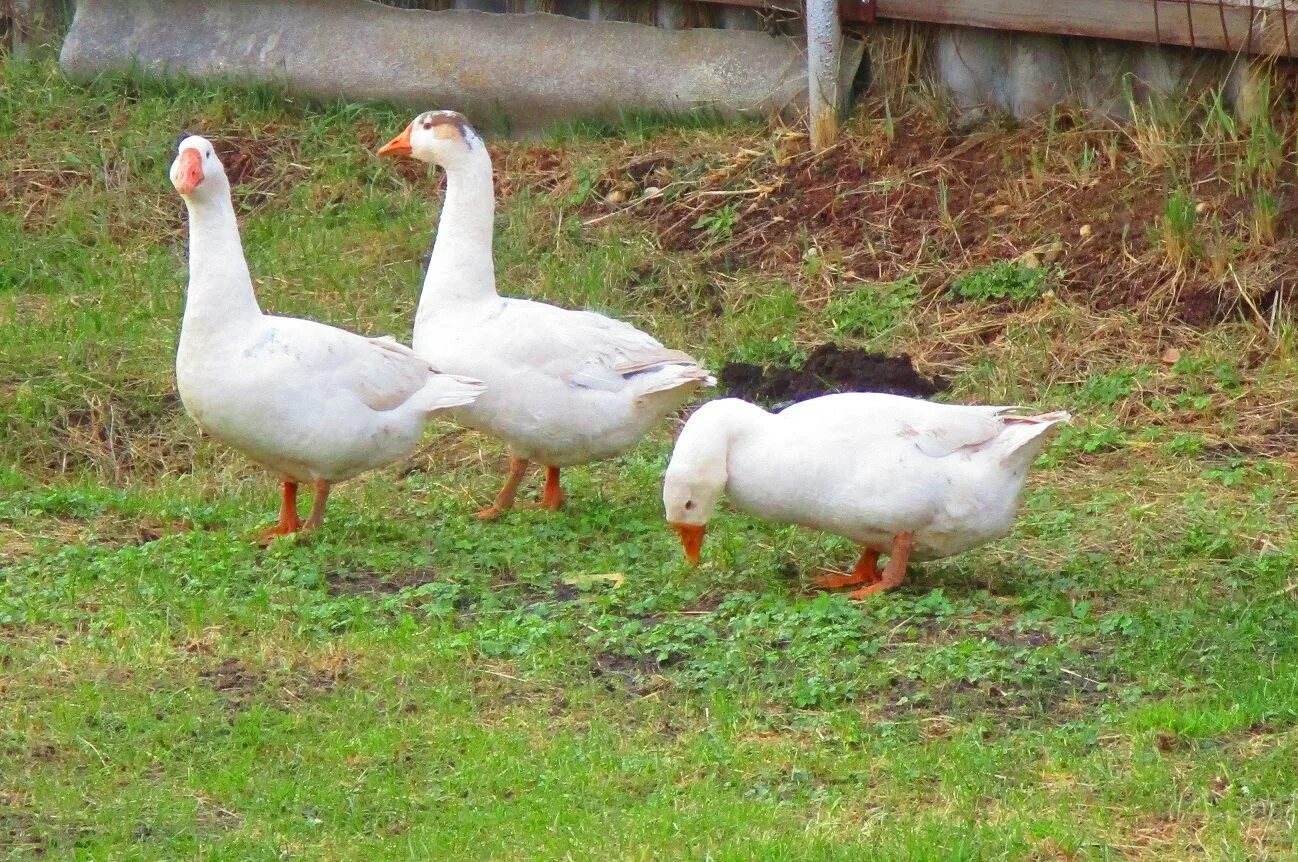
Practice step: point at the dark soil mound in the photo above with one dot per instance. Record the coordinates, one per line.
(827, 370)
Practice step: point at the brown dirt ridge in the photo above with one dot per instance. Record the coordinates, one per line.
(829, 369)
(907, 196)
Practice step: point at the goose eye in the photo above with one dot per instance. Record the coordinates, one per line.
(689, 504)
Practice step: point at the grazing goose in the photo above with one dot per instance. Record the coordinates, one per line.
(307, 401)
(899, 476)
(563, 387)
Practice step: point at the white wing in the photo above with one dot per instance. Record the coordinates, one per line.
(583, 348)
(937, 430)
(383, 373)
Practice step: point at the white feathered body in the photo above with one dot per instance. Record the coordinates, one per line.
(306, 400)
(563, 386)
(309, 401)
(870, 466)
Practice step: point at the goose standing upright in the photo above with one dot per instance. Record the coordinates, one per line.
(899, 476)
(563, 387)
(307, 401)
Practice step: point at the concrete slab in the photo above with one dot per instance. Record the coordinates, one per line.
(512, 73)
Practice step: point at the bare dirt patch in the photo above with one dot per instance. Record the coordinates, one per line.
(234, 681)
(532, 594)
(239, 684)
(1270, 441)
(1039, 695)
(377, 584)
(704, 604)
(906, 196)
(119, 437)
(637, 676)
(109, 530)
(34, 190)
(537, 168)
(18, 833)
(260, 167)
(307, 683)
(829, 369)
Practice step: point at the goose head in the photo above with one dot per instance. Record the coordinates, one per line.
(197, 173)
(689, 501)
(442, 138)
(696, 476)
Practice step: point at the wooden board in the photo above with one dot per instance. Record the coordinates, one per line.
(860, 11)
(1227, 26)
(793, 6)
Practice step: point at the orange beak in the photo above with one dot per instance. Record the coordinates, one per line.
(190, 173)
(691, 540)
(398, 146)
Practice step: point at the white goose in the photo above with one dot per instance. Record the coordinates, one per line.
(563, 387)
(309, 402)
(897, 475)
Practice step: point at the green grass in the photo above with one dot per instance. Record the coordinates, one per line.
(1010, 280)
(1118, 678)
(873, 310)
(640, 125)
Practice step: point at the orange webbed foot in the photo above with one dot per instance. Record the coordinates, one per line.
(288, 520)
(490, 513)
(866, 572)
(838, 580)
(505, 499)
(552, 505)
(894, 573)
(272, 533)
(866, 591)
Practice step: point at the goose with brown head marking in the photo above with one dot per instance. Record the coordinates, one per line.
(563, 387)
(311, 403)
(900, 477)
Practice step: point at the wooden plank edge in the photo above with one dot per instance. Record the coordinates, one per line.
(1220, 27)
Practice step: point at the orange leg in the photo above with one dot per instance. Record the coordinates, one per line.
(895, 572)
(552, 497)
(505, 499)
(318, 500)
(866, 572)
(288, 522)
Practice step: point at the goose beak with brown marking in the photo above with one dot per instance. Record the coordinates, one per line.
(398, 146)
(691, 540)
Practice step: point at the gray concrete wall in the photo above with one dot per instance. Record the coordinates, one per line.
(509, 72)
(519, 72)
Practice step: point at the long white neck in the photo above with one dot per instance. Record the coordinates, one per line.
(704, 446)
(461, 269)
(220, 289)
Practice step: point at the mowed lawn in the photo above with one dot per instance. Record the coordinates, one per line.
(1116, 679)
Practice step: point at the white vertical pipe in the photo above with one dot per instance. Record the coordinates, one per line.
(824, 47)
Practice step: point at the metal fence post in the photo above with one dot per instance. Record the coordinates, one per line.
(824, 47)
